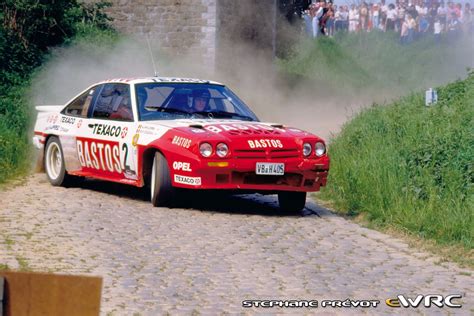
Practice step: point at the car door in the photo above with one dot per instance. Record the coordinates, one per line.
(70, 124)
(105, 148)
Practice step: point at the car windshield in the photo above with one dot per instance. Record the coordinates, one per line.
(166, 101)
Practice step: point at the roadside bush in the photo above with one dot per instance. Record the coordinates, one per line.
(28, 29)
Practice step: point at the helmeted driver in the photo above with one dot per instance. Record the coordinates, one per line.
(200, 100)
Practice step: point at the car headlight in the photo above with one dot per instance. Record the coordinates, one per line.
(307, 149)
(205, 149)
(222, 150)
(319, 149)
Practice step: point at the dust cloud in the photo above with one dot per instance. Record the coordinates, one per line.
(250, 72)
(252, 75)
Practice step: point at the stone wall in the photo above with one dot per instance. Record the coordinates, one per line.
(206, 26)
(177, 25)
(248, 21)
(245, 27)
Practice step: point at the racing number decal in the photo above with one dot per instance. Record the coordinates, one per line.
(125, 150)
(104, 157)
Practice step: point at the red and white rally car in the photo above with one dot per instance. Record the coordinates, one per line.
(168, 133)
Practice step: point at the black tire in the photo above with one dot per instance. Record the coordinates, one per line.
(161, 190)
(292, 201)
(54, 164)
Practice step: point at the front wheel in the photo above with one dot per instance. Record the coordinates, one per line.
(292, 201)
(54, 163)
(161, 190)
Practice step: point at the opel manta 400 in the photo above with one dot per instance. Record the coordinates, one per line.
(168, 134)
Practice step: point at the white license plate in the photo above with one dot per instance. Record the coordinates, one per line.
(270, 168)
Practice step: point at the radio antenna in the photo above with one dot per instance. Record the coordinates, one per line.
(151, 55)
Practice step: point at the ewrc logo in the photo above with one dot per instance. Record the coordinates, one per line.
(427, 300)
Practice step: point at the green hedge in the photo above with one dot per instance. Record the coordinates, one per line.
(28, 29)
(410, 166)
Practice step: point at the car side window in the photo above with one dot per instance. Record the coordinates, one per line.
(114, 103)
(80, 105)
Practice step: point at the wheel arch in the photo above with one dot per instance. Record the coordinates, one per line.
(42, 153)
(147, 163)
(47, 137)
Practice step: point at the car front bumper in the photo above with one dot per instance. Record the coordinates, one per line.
(304, 175)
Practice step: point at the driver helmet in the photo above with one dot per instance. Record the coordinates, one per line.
(201, 94)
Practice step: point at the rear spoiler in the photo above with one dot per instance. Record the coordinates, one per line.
(49, 108)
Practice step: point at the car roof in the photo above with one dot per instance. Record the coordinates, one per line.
(159, 79)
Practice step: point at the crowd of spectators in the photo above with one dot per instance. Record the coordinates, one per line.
(409, 19)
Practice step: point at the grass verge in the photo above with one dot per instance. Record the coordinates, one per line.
(409, 167)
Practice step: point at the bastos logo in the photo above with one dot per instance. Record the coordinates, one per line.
(181, 141)
(265, 143)
(218, 128)
(100, 155)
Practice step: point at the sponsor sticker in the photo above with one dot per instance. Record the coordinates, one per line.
(181, 141)
(187, 180)
(218, 128)
(265, 143)
(184, 166)
(52, 128)
(104, 156)
(57, 127)
(108, 130)
(53, 118)
(146, 130)
(135, 139)
(108, 157)
(68, 120)
(192, 80)
(124, 132)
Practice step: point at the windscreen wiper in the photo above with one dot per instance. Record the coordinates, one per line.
(167, 110)
(223, 114)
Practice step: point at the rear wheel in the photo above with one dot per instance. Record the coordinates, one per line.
(292, 201)
(54, 163)
(161, 190)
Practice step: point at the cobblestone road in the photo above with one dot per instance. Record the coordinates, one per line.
(206, 257)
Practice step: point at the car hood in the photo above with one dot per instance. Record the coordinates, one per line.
(232, 129)
(245, 138)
